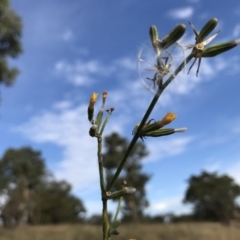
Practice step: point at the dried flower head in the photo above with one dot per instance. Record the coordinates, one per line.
(199, 47)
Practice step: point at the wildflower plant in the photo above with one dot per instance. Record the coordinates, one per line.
(162, 77)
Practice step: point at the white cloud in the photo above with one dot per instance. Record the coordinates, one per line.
(181, 13)
(80, 72)
(234, 171)
(62, 105)
(168, 205)
(84, 72)
(215, 140)
(236, 31)
(68, 35)
(213, 167)
(95, 207)
(67, 128)
(171, 147)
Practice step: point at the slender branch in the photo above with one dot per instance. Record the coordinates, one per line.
(118, 209)
(134, 139)
(106, 225)
(103, 191)
(144, 119)
(178, 69)
(100, 166)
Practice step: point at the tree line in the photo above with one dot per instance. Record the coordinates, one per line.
(32, 196)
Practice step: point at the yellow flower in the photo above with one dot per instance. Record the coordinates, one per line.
(167, 119)
(93, 99)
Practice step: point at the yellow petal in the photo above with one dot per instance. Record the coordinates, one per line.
(167, 119)
(93, 99)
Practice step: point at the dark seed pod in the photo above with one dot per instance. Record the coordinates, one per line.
(208, 28)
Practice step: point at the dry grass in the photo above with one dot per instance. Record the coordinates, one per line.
(183, 231)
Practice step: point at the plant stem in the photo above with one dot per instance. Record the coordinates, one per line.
(144, 119)
(100, 166)
(103, 191)
(178, 69)
(118, 209)
(106, 224)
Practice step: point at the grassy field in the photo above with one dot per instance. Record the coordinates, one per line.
(183, 231)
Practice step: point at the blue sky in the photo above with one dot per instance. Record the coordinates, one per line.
(73, 48)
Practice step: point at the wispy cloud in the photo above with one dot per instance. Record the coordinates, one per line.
(67, 128)
(173, 145)
(84, 72)
(173, 204)
(80, 72)
(234, 171)
(236, 31)
(181, 13)
(213, 167)
(68, 35)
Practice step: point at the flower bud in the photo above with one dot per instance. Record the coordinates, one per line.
(208, 28)
(92, 102)
(160, 132)
(164, 131)
(151, 127)
(168, 118)
(219, 48)
(173, 36)
(153, 34)
(93, 130)
(114, 232)
(115, 224)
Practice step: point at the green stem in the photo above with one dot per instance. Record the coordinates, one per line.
(100, 167)
(105, 122)
(135, 138)
(118, 209)
(103, 191)
(178, 69)
(106, 225)
(144, 119)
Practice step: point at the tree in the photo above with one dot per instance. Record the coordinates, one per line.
(55, 204)
(21, 171)
(116, 146)
(10, 45)
(213, 197)
(33, 196)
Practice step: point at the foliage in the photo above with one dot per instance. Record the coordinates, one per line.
(24, 167)
(212, 196)
(132, 174)
(21, 172)
(55, 204)
(31, 196)
(10, 45)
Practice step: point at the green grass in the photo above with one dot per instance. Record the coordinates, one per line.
(181, 231)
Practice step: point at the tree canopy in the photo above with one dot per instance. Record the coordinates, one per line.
(58, 205)
(32, 196)
(213, 197)
(116, 146)
(10, 45)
